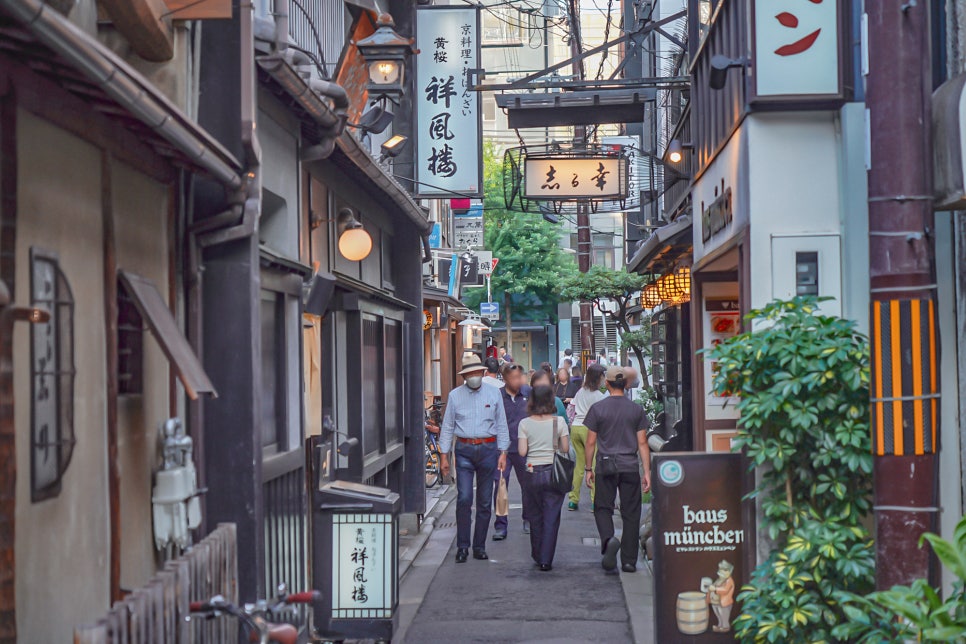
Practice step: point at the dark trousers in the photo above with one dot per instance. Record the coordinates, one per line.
(629, 485)
(479, 462)
(519, 465)
(545, 504)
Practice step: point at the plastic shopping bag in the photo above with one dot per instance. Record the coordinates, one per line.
(502, 499)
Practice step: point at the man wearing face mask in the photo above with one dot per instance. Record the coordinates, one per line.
(476, 422)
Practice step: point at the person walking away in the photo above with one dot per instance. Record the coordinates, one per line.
(617, 427)
(541, 378)
(567, 359)
(515, 394)
(541, 435)
(563, 388)
(475, 420)
(584, 399)
(492, 376)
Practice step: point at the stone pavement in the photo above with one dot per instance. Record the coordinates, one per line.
(506, 599)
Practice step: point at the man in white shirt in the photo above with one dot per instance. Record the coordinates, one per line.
(492, 372)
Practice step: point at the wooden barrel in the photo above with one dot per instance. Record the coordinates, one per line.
(692, 613)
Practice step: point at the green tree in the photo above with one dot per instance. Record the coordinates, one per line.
(600, 285)
(532, 264)
(803, 385)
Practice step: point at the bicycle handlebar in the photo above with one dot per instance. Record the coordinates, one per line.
(306, 597)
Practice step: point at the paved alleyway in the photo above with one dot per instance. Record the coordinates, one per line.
(506, 599)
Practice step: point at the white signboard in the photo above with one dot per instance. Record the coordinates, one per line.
(569, 178)
(448, 127)
(362, 566)
(796, 47)
(485, 258)
(468, 232)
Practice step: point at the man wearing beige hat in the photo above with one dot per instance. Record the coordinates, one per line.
(475, 421)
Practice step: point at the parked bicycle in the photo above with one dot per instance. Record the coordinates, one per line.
(434, 418)
(259, 618)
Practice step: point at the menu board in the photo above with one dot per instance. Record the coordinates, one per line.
(722, 320)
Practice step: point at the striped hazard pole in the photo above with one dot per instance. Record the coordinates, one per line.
(904, 409)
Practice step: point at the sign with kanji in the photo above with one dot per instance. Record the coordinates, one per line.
(448, 133)
(468, 228)
(362, 566)
(797, 48)
(575, 178)
(485, 260)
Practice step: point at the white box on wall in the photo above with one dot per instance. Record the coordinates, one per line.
(784, 249)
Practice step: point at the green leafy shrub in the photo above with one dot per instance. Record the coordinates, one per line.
(803, 384)
(916, 612)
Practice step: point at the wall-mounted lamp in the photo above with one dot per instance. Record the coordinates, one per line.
(385, 53)
(553, 219)
(11, 314)
(394, 146)
(375, 119)
(675, 151)
(355, 244)
(719, 69)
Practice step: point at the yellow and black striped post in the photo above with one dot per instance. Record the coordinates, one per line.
(904, 379)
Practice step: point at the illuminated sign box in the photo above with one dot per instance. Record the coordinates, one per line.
(575, 178)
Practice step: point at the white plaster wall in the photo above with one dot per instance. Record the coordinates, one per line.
(62, 543)
(793, 175)
(141, 237)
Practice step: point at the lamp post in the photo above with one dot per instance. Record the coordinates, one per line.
(385, 53)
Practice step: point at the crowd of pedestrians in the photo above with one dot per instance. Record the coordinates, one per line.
(495, 422)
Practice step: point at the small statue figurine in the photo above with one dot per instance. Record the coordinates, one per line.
(721, 596)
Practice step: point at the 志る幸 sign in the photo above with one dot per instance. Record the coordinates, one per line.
(448, 128)
(797, 48)
(575, 178)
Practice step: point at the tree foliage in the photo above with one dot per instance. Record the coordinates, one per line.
(532, 264)
(803, 384)
(600, 285)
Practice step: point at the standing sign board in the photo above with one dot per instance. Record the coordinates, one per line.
(798, 49)
(449, 134)
(700, 542)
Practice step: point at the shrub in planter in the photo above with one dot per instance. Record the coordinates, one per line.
(802, 381)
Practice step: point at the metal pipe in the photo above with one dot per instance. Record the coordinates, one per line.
(905, 331)
(120, 82)
(281, 25)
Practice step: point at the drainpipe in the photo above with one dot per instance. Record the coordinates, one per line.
(905, 329)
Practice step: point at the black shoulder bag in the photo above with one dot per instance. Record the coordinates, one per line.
(562, 475)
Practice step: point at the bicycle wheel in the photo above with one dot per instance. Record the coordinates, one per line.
(433, 474)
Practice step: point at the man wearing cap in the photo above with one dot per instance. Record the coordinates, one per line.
(476, 422)
(618, 430)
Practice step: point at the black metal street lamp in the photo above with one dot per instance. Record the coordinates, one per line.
(385, 53)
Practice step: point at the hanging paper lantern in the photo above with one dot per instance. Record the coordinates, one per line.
(668, 289)
(650, 297)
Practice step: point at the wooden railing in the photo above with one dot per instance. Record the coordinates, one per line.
(157, 613)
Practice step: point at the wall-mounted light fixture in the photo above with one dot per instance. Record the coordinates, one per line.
(385, 53)
(355, 244)
(375, 119)
(675, 151)
(394, 146)
(719, 69)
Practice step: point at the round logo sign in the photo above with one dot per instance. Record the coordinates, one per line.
(671, 473)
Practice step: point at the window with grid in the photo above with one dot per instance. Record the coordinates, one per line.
(52, 376)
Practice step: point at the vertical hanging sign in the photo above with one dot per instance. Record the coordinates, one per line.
(448, 132)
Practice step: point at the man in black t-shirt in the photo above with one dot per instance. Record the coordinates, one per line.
(618, 430)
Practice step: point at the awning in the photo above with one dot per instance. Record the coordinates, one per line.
(175, 346)
(583, 107)
(440, 296)
(663, 248)
(35, 34)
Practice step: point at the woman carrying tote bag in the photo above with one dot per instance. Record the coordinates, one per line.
(541, 435)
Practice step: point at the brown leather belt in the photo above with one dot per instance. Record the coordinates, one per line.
(476, 441)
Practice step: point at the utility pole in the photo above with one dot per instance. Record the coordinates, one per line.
(905, 328)
(584, 257)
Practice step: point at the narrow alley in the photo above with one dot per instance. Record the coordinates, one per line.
(507, 599)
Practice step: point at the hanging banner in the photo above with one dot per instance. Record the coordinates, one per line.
(449, 132)
(700, 540)
(575, 178)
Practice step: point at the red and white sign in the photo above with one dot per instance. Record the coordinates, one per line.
(797, 48)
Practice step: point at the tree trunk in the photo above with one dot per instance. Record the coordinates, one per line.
(509, 323)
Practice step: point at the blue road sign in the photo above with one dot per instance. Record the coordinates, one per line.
(489, 309)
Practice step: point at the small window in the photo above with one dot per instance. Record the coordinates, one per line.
(489, 109)
(51, 377)
(130, 344)
(806, 273)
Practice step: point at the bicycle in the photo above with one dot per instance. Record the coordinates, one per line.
(434, 472)
(257, 617)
